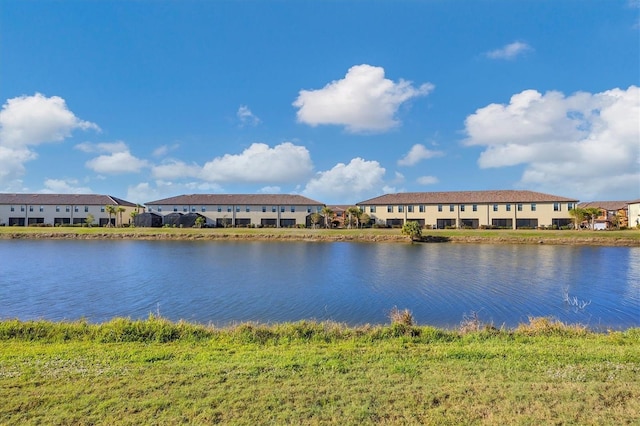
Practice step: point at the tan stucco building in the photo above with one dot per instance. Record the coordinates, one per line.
(62, 209)
(267, 210)
(471, 209)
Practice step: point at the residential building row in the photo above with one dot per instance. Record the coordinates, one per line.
(510, 209)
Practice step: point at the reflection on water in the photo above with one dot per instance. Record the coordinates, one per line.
(225, 282)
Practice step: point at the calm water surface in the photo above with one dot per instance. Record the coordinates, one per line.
(355, 283)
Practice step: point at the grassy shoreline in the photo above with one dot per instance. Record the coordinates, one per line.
(605, 238)
(155, 371)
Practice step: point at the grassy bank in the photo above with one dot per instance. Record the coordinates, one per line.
(623, 238)
(158, 372)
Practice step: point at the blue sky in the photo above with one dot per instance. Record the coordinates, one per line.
(339, 101)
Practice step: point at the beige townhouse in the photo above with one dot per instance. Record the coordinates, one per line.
(509, 209)
(265, 210)
(63, 209)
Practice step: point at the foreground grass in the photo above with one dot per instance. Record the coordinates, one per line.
(626, 237)
(158, 372)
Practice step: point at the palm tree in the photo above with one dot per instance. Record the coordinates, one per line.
(354, 213)
(591, 214)
(578, 215)
(326, 212)
(120, 210)
(111, 210)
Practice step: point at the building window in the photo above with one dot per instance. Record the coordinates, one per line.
(400, 209)
(461, 207)
(193, 209)
(452, 208)
(533, 207)
(410, 209)
(264, 209)
(282, 209)
(273, 209)
(556, 207)
(13, 209)
(569, 206)
(309, 209)
(439, 207)
(421, 208)
(86, 209)
(247, 209)
(41, 209)
(237, 209)
(159, 208)
(508, 207)
(373, 209)
(229, 209)
(21, 208)
(57, 209)
(185, 209)
(219, 209)
(293, 209)
(101, 209)
(519, 207)
(474, 207)
(203, 209)
(495, 207)
(175, 209)
(389, 209)
(30, 208)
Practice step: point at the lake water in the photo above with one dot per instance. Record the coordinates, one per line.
(355, 283)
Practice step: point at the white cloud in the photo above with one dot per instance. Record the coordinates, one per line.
(163, 150)
(363, 101)
(510, 51)
(347, 182)
(174, 169)
(283, 163)
(427, 180)
(584, 144)
(416, 154)
(104, 147)
(117, 163)
(64, 186)
(144, 192)
(246, 117)
(270, 190)
(28, 121)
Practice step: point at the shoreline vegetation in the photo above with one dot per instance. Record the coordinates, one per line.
(155, 371)
(630, 238)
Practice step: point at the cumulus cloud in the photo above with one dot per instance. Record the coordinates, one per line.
(510, 51)
(416, 154)
(163, 150)
(28, 121)
(583, 144)
(246, 117)
(283, 163)
(175, 169)
(117, 159)
(427, 180)
(347, 182)
(270, 190)
(64, 186)
(363, 101)
(144, 192)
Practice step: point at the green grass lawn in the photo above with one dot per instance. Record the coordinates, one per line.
(157, 372)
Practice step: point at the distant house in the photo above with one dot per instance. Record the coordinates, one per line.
(62, 209)
(337, 220)
(240, 210)
(508, 209)
(613, 214)
(633, 213)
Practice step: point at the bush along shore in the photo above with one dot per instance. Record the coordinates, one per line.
(155, 371)
(565, 237)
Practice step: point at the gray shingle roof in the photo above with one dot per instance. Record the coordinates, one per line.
(237, 199)
(469, 197)
(63, 199)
